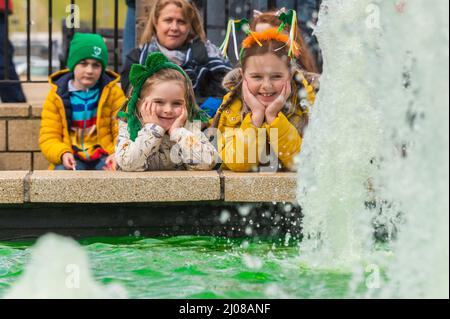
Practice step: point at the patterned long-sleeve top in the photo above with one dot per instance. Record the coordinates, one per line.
(154, 150)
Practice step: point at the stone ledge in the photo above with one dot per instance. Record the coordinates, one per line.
(14, 110)
(12, 187)
(123, 187)
(260, 187)
(101, 187)
(36, 92)
(36, 109)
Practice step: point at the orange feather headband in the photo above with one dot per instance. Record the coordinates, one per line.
(267, 35)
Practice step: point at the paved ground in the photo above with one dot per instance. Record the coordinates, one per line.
(36, 92)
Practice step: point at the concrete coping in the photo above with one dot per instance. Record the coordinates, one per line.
(12, 186)
(21, 110)
(260, 187)
(123, 187)
(14, 110)
(91, 187)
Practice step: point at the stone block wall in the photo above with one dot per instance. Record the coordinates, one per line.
(19, 137)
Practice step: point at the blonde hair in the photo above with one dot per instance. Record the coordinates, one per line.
(190, 13)
(167, 75)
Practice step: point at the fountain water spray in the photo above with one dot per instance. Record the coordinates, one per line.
(59, 269)
(414, 62)
(340, 143)
(383, 99)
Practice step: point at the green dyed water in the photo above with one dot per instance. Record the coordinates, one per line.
(194, 267)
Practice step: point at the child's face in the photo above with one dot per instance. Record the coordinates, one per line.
(86, 73)
(172, 28)
(266, 76)
(169, 99)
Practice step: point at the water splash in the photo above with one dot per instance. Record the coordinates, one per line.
(414, 171)
(340, 143)
(384, 101)
(59, 269)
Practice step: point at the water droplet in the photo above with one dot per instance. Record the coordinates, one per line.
(287, 208)
(244, 210)
(224, 216)
(252, 261)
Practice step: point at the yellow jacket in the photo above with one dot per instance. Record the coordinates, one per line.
(54, 138)
(241, 145)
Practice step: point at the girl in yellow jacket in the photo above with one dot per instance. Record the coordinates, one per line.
(78, 125)
(261, 121)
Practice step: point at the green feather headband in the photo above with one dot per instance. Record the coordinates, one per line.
(154, 63)
(290, 18)
(233, 26)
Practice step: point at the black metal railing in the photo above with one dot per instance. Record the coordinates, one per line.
(67, 36)
(215, 18)
(5, 42)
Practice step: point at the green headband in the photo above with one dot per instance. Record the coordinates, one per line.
(154, 63)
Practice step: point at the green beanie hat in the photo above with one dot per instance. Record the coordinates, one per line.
(87, 46)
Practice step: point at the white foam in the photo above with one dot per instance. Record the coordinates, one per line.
(59, 269)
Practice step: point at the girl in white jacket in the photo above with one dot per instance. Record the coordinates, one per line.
(161, 128)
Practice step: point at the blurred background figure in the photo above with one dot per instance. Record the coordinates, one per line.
(129, 32)
(308, 11)
(9, 92)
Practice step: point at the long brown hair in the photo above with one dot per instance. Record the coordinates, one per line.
(305, 59)
(280, 49)
(190, 13)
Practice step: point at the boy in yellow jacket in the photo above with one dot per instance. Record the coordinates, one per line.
(261, 121)
(78, 126)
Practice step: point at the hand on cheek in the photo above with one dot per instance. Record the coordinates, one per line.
(255, 106)
(148, 113)
(180, 121)
(276, 106)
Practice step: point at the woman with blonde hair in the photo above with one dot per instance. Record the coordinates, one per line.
(175, 28)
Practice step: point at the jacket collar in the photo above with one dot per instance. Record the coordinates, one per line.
(60, 80)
